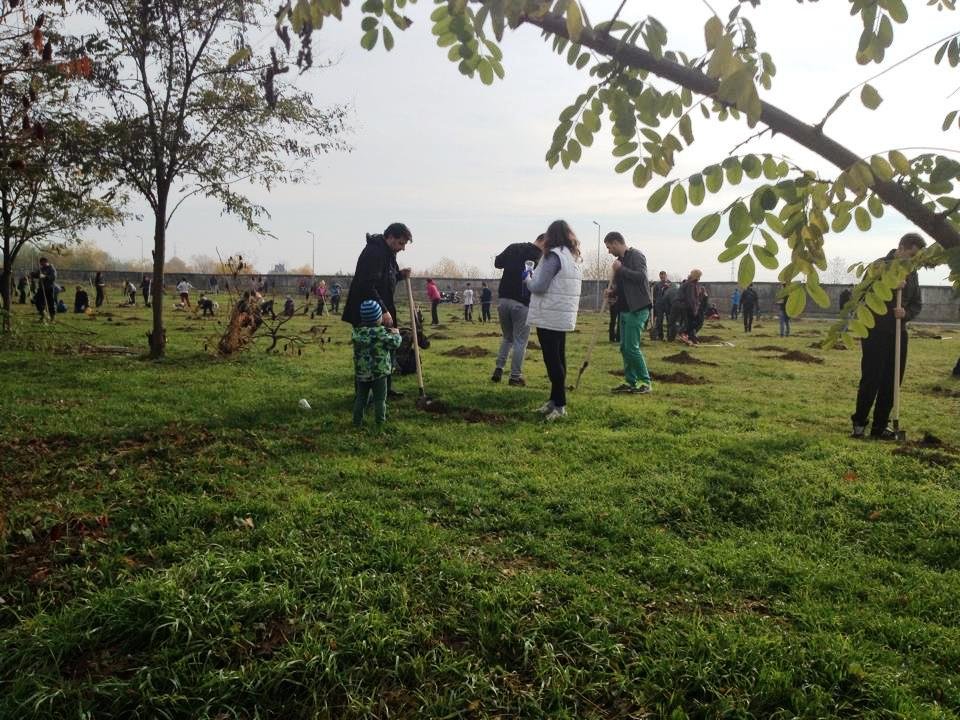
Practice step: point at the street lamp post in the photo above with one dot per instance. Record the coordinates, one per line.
(598, 263)
(313, 253)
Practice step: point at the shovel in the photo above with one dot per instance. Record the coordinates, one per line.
(423, 401)
(593, 340)
(898, 434)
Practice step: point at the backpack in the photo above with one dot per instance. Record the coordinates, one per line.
(404, 362)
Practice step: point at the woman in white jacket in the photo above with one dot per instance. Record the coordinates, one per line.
(554, 300)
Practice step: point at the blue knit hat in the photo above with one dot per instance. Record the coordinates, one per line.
(370, 312)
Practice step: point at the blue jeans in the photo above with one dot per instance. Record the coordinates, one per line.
(516, 332)
(784, 323)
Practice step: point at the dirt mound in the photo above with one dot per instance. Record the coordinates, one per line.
(488, 334)
(944, 391)
(931, 450)
(926, 334)
(470, 415)
(685, 358)
(462, 351)
(679, 378)
(532, 346)
(798, 356)
(819, 346)
(439, 336)
(709, 339)
(717, 326)
(439, 326)
(770, 348)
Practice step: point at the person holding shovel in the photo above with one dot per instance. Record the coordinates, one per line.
(877, 359)
(376, 278)
(554, 301)
(630, 296)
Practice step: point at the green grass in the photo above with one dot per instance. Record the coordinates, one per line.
(180, 540)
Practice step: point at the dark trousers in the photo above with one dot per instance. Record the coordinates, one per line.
(657, 332)
(553, 344)
(614, 329)
(485, 312)
(334, 303)
(320, 306)
(100, 296)
(46, 302)
(673, 322)
(468, 313)
(378, 388)
(434, 320)
(734, 311)
(748, 319)
(692, 320)
(876, 377)
(146, 296)
(23, 296)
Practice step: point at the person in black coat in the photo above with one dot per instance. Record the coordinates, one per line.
(748, 306)
(377, 275)
(878, 348)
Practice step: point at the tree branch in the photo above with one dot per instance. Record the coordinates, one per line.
(777, 120)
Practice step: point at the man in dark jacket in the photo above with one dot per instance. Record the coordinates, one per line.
(631, 298)
(46, 297)
(377, 275)
(514, 301)
(748, 306)
(878, 348)
(81, 300)
(659, 289)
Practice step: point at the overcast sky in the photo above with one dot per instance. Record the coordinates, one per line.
(463, 164)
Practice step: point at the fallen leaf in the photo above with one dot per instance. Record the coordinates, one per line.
(850, 476)
(875, 515)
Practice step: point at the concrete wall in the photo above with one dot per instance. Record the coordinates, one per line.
(939, 302)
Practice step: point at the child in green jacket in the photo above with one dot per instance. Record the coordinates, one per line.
(373, 349)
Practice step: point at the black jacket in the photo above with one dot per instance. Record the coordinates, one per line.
(375, 278)
(749, 299)
(511, 261)
(912, 302)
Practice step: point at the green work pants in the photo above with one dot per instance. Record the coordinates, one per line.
(631, 332)
(378, 387)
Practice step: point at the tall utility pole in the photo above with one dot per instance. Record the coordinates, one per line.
(313, 253)
(598, 263)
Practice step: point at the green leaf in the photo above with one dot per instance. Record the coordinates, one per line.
(369, 39)
(239, 56)
(714, 178)
(574, 150)
(796, 301)
(732, 252)
(583, 134)
(739, 219)
(770, 169)
(368, 23)
(899, 161)
(875, 303)
(706, 227)
(881, 168)
(840, 221)
(626, 164)
(870, 97)
(574, 20)
(765, 257)
(862, 218)
(625, 149)
(388, 42)
(713, 31)
(697, 190)
(752, 167)
(875, 206)
(865, 316)
(857, 329)
(818, 294)
(641, 175)
(948, 120)
(896, 9)
(678, 199)
(746, 271)
(484, 68)
(734, 170)
(659, 198)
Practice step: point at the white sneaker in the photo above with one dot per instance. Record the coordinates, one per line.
(547, 407)
(556, 414)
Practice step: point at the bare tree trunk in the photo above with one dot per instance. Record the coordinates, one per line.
(6, 288)
(158, 335)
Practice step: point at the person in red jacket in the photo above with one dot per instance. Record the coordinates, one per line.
(433, 294)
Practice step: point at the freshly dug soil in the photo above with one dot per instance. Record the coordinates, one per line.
(944, 391)
(798, 356)
(487, 334)
(709, 339)
(470, 415)
(770, 348)
(532, 346)
(685, 358)
(717, 326)
(926, 334)
(837, 346)
(462, 351)
(931, 450)
(679, 378)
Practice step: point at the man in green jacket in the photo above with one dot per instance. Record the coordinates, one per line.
(878, 349)
(631, 298)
